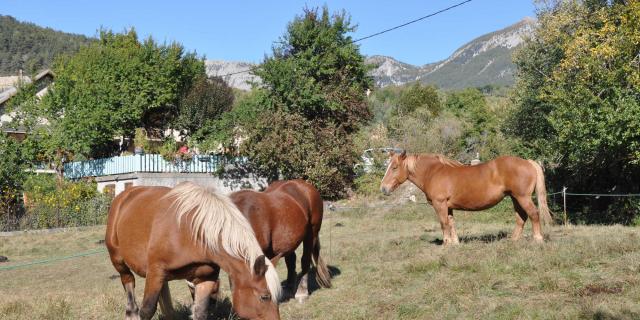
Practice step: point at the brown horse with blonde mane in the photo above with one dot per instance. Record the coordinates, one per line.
(188, 232)
(285, 215)
(450, 185)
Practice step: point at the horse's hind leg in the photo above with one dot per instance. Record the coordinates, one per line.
(521, 218)
(290, 260)
(527, 205)
(454, 235)
(305, 264)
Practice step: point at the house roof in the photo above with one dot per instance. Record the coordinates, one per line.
(7, 94)
(12, 89)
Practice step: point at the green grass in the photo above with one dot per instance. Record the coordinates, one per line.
(389, 265)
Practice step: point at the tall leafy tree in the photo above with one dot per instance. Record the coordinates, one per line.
(207, 100)
(12, 175)
(313, 102)
(577, 101)
(418, 96)
(113, 86)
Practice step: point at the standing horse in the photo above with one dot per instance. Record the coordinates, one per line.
(286, 214)
(450, 185)
(189, 233)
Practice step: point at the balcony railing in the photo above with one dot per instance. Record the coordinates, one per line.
(140, 163)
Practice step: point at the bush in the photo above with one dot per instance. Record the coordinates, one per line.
(51, 204)
(368, 184)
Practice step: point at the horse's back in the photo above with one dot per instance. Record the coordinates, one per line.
(504, 173)
(281, 215)
(517, 174)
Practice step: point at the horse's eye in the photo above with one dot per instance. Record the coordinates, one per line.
(265, 297)
(395, 168)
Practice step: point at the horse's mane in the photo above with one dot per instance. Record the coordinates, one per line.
(449, 162)
(216, 221)
(412, 160)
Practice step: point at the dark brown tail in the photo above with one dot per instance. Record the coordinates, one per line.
(323, 276)
(541, 193)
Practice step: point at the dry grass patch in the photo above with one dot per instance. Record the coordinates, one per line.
(388, 264)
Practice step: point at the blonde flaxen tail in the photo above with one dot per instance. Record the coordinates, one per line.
(541, 194)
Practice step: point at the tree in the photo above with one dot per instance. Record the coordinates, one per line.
(417, 97)
(315, 80)
(207, 100)
(577, 102)
(12, 175)
(113, 86)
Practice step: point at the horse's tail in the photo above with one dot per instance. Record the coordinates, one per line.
(541, 193)
(323, 277)
(166, 306)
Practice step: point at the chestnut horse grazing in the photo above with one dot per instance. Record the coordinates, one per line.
(188, 232)
(450, 185)
(286, 214)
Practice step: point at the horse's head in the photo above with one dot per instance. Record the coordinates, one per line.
(396, 172)
(252, 297)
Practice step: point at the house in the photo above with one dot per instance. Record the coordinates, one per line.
(9, 87)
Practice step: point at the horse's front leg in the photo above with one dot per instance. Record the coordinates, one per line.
(203, 293)
(152, 287)
(442, 211)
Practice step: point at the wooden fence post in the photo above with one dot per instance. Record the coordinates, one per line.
(564, 203)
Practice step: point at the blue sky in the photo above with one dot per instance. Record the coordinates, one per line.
(245, 31)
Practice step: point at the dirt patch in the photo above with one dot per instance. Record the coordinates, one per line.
(598, 288)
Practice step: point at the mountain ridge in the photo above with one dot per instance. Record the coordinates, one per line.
(485, 60)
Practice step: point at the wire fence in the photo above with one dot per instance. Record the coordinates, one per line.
(331, 207)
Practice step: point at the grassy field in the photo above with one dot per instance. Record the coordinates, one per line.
(388, 264)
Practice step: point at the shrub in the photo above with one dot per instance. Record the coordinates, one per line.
(53, 204)
(368, 184)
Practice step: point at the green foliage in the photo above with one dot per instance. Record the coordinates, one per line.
(113, 86)
(31, 48)
(206, 101)
(312, 104)
(140, 139)
(417, 97)
(368, 184)
(52, 203)
(577, 102)
(168, 149)
(228, 129)
(467, 122)
(12, 175)
(482, 120)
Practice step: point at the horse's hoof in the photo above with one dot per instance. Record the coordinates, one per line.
(301, 298)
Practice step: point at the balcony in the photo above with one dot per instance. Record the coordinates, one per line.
(140, 163)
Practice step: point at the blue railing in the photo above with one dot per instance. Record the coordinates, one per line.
(139, 163)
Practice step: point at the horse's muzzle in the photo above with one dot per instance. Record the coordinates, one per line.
(385, 191)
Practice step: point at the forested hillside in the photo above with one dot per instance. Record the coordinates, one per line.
(29, 47)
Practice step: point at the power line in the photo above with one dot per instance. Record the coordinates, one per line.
(372, 35)
(412, 21)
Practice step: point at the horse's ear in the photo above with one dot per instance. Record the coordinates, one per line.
(260, 266)
(403, 154)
